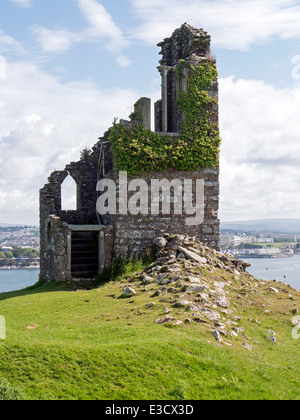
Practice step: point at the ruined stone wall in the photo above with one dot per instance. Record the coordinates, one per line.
(85, 173)
(55, 250)
(107, 248)
(120, 234)
(135, 233)
(189, 44)
(55, 234)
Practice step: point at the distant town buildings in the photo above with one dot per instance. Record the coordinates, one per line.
(243, 244)
(19, 247)
(19, 236)
(14, 241)
(238, 240)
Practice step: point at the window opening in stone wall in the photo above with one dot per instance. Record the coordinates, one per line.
(49, 233)
(69, 194)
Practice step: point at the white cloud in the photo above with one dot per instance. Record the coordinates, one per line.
(44, 124)
(260, 154)
(6, 40)
(55, 41)
(101, 24)
(23, 3)
(8, 43)
(99, 19)
(24, 206)
(123, 61)
(101, 27)
(2, 68)
(234, 24)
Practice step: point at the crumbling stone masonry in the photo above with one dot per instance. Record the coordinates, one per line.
(78, 244)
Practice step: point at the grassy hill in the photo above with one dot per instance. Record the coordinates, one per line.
(195, 326)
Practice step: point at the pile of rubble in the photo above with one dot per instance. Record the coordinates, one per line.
(189, 283)
(191, 279)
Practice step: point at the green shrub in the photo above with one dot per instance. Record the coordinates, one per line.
(123, 267)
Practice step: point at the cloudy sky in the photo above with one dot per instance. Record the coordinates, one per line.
(68, 68)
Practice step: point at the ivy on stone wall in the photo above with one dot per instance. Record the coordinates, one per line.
(140, 151)
(137, 150)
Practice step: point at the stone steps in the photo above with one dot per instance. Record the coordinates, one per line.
(84, 255)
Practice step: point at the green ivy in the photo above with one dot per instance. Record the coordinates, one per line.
(135, 116)
(138, 151)
(181, 65)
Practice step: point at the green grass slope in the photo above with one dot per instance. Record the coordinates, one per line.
(98, 344)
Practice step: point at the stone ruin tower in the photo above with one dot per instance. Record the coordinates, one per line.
(78, 244)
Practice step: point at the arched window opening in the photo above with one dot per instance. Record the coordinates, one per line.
(69, 194)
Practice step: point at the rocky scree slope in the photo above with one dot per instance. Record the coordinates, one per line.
(209, 289)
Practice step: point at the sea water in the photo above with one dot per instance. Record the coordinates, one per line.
(286, 270)
(12, 280)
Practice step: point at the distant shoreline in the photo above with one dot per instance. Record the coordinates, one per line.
(246, 256)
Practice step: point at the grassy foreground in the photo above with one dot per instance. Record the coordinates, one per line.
(92, 344)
